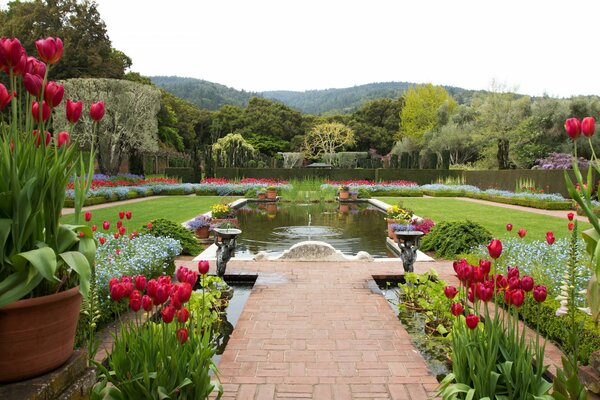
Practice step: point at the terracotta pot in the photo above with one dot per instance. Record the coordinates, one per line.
(262, 196)
(271, 194)
(344, 195)
(344, 208)
(37, 335)
(391, 233)
(233, 221)
(354, 197)
(202, 233)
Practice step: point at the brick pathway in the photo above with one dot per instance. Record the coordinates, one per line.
(315, 330)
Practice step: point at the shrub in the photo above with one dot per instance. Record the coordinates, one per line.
(164, 227)
(364, 193)
(448, 239)
(251, 193)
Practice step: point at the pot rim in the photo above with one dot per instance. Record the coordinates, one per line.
(34, 301)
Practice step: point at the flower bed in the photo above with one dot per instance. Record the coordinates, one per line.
(107, 194)
(225, 187)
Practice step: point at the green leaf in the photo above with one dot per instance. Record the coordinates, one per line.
(593, 296)
(79, 263)
(42, 259)
(591, 238)
(5, 225)
(17, 285)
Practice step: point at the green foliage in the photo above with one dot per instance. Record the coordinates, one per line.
(164, 227)
(88, 50)
(420, 111)
(232, 150)
(377, 124)
(207, 304)
(364, 193)
(448, 239)
(307, 190)
(326, 139)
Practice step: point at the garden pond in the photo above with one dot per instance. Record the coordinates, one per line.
(275, 227)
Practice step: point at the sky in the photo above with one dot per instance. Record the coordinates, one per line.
(534, 47)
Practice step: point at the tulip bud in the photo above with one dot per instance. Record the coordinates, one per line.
(522, 232)
(149, 225)
(571, 226)
(35, 111)
(97, 111)
(106, 225)
(203, 267)
(94, 228)
(472, 321)
(88, 216)
(140, 282)
(450, 292)
(527, 283)
(121, 214)
(101, 239)
(550, 238)
(167, 314)
(116, 235)
(63, 138)
(495, 248)
(49, 50)
(183, 315)
(5, 97)
(509, 227)
(135, 301)
(486, 266)
(54, 94)
(147, 303)
(570, 216)
(73, 110)
(457, 309)
(182, 335)
(33, 84)
(588, 125)
(540, 293)
(122, 230)
(573, 128)
(128, 214)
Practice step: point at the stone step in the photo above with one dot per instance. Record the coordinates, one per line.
(81, 388)
(595, 361)
(590, 378)
(49, 386)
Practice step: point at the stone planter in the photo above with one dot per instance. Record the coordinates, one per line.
(37, 335)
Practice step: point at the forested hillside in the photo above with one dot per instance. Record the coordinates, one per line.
(317, 102)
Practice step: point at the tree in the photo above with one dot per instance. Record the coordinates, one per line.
(376, 124)
(232, 151)
(88, 52)
(129, 125)
(325, 139)
(420, 112)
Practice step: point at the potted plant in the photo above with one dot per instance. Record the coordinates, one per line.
(354, 194)
(261, 194)
(344, 192)
(271, 192)
(45, 266)
(223, 213)
(200, 226)
(397, 215)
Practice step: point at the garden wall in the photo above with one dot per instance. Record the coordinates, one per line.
(551, 181)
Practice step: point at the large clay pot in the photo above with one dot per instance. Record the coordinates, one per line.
(262, 196)
(271, 194)
(391, 233)
(37, 335)
(202, 233)
(344, 195)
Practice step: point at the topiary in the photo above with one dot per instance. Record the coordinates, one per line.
(448, 239)
(165, 227)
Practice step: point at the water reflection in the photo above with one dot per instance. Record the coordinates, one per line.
(276, 227)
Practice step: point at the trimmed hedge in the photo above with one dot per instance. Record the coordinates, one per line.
(187, 175)
(445, 193)
(544, 205)
(397, 193)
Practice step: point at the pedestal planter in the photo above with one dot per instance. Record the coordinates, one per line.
(37, 335)
(203, 232)
(391, 233)
(408, 242)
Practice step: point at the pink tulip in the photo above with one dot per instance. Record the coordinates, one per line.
(74, 109)
(88, 216)
(53, 94)
(588, 125)
(106, 225)
(63, 138)
(450, 292)
(49, 50)
(573, 128)
(33, 84)
(97, 111)
(35, 67)
(35, 111)
(203, 267)
(5, 97)
(12, 56)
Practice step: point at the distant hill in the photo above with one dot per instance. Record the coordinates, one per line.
(328, 101)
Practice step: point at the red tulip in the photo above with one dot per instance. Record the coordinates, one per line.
(184, 293)
(522, 232)
(527, 283)
(486, 266)
(513, 272)
(588, 125)
(63, 138)
(101, 239)
(450, 292)
(182, 335)
(175, 302)
(181, 274)
(112, 282)
(495, 248)
(12, 55)
(119, 223)
(162, 294)
(203, 267)
(74, 109)
(146, 302)
(573, 128)
(106, 225)
(484, 292)
(149, 225)
(88, 216)
(135, 301)
(38, 138)
(472, 321)
(81, 234)
(97, 111)
(165, 280)
(152, 287)
(509, 227)
(122, 230)
(517, 297)
(35, 111)
(121, 214)
(117, 292)
(501, 282)
(540, 293)
(53, 94)
(35, 67)
(570, 216)
(49, 50)
(550, 238)
(128, 214)
(140, 282)
(5, 97)
(167, 313)
(94, 228)
(571, 226)
(191, 278)
(116, 235)
(183, 315)
(33, 84)
(457, 309)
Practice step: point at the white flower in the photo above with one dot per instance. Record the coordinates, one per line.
(586, 310)
(562, 311)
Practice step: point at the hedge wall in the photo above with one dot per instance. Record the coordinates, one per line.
(187, 175)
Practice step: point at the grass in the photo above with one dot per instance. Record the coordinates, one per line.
(174, 208)
(492, 217)
(307, 190)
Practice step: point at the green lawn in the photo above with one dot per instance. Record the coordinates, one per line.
(174, 208)
(492, 217)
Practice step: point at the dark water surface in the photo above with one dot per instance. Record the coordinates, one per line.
(276, 227)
